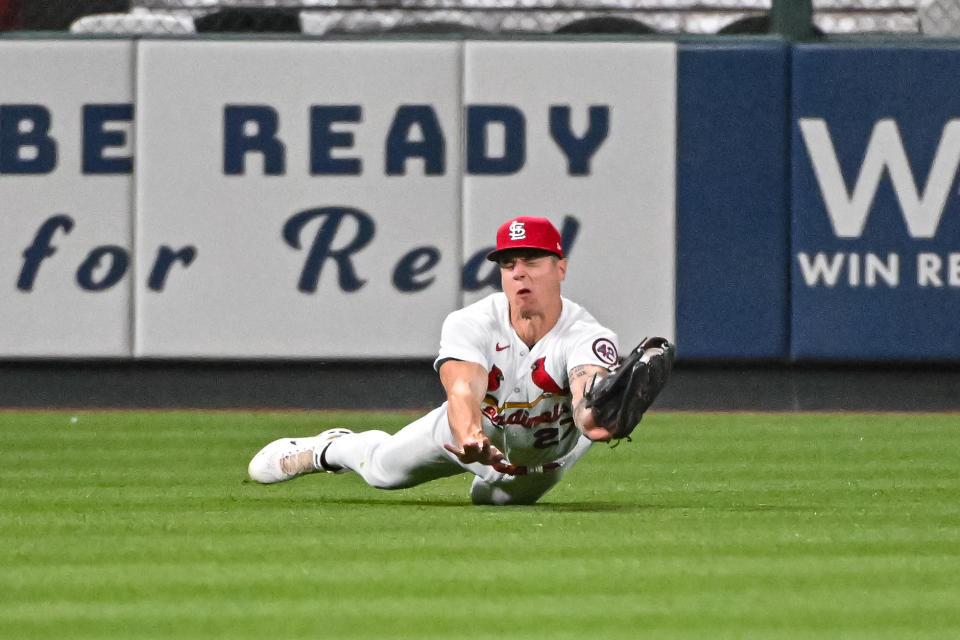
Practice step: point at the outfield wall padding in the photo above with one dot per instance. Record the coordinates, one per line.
(298, 199)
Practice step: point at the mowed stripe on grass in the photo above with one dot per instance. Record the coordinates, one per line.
(141, 525)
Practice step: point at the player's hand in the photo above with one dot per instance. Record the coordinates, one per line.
(484, 453)
(477, 450)
(598, 433)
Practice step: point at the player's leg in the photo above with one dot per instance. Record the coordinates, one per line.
(287, 458)
(410, 457)
(491, 487)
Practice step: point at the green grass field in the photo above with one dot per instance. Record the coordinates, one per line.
(142, 525)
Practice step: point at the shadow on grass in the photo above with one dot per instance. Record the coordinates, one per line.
(458, 502)
(559, 507)
(646, 506)
(386, 500)
(433, 503)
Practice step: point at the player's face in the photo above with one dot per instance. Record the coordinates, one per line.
(531, 280)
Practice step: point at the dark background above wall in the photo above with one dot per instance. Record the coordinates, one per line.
(412, 385)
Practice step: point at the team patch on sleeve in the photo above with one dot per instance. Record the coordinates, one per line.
(605, 351)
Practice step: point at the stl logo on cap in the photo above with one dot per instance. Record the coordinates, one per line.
(527, 232)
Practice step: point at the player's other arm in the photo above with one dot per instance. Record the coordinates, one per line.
(466, 384)
(580, 380)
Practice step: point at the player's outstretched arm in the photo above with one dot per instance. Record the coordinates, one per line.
(580, 380)
(466, 384)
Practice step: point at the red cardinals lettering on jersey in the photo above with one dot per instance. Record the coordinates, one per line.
(522, 417)
(521, 413)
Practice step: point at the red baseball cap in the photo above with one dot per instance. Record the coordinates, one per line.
(527, 232)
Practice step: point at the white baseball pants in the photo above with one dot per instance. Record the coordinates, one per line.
(415, 455)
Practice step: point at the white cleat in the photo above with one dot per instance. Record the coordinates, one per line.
(287, 458)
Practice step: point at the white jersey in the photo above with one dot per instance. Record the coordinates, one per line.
(527, 410)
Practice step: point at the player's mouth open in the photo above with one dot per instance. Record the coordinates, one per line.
(521, 292)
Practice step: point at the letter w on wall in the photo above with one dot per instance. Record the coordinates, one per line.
(848, 213)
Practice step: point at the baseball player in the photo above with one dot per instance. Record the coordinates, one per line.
(527, 374)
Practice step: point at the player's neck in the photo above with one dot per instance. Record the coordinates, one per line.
(531, 327)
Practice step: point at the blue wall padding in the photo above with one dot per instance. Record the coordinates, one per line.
(733, 223)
